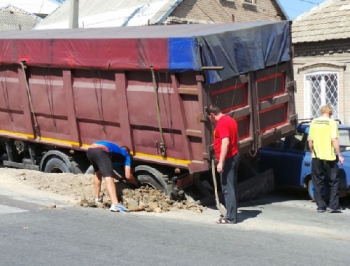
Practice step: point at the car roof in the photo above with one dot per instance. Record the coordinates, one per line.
(304, 127)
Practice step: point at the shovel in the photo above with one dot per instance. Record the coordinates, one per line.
(220, 207)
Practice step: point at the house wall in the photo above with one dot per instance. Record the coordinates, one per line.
(327, 56)
(222, 10)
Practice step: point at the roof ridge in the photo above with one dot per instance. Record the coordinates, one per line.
(314, 10)
(20, 9)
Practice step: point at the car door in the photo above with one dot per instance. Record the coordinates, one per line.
(291, 161)
(270, 157)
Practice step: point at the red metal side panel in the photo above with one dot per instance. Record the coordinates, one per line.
(261, 104)
(192, 108)
(270, 85)
(46, 88)
(13, 101)
(142, 111)
(49, 103)
(76, 107)
(233, 95)
(95, 98)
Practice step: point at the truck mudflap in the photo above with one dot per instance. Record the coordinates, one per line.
(248, 189)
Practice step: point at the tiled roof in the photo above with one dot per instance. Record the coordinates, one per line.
(12, 18)
(111, 13)
(327, 21)
(33, 6)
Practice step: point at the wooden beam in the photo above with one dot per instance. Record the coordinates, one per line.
(188, 91)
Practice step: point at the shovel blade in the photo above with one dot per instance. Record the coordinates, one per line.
(221, 209)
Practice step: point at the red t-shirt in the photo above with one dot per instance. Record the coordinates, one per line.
(226, 127)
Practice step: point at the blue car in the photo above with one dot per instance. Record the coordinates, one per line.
(290, 158)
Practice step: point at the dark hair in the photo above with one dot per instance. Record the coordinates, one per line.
(126, 148)
(213, 109)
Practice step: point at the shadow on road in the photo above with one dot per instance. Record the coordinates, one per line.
(278, 195)
(242, 214)
(247, 214)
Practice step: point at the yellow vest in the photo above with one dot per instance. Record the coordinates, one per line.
(322, 131)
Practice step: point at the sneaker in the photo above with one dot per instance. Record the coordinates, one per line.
(330, 210)
(118, 208)
(98, 200)
(321, 210)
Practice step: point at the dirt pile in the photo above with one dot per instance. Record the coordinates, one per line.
(80, 188)
(144, 199)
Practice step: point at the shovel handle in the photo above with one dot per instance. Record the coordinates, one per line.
(214, 180)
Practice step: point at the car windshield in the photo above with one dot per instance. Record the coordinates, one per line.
(344, 139)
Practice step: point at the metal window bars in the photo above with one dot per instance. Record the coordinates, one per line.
(321, 89)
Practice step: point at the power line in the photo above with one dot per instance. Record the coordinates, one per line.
(297, 10)
(289, 8)
(310, 2)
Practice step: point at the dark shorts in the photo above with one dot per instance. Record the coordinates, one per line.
(101, 161)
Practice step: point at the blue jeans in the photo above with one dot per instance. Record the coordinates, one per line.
(229, 186)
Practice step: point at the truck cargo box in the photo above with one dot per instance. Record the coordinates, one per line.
(146, 88)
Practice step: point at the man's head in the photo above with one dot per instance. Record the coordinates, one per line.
(326, 110)
(126, 148)
(130, 155)
(213, 111)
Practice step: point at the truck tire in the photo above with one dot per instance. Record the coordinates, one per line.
(2, 150)
(55, 165)
(147, 175)
(149, 180)
(90, 170)
(77, 168)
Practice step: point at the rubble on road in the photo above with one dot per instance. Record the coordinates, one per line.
(80, 188)
(146, 199)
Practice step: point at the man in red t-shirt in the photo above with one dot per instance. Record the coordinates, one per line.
(227, 155)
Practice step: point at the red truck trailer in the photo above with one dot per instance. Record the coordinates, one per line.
(146, 88)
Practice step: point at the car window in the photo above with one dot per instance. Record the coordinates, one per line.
(344, 139)
(277, 144)
(296, 142)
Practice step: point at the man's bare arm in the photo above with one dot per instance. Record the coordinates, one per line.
(337, 149)
(129, 176)
(311, 148)
(225, 142)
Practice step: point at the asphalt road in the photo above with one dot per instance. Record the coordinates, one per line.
(277, 229)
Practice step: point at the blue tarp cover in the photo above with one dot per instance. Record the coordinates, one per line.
(243, 50)
(238, 47)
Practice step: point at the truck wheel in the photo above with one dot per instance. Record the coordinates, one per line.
(55, 165)
(147, 175)
(149, 180)
(2, 150)
(90, 170)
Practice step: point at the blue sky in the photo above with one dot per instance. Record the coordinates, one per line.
(294, 8)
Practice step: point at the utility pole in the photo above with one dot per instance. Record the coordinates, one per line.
(74, 14)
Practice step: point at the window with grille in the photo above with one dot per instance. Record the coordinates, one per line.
(321, 88)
